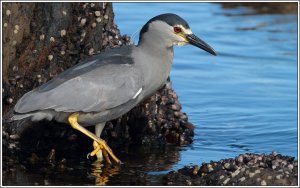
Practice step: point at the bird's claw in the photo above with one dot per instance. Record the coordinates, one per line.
(88, 155)
(105, 150)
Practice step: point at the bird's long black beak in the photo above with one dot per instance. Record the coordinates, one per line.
(194, 40)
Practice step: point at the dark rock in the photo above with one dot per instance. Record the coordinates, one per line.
(231, 174)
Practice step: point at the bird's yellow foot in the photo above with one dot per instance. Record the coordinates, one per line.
(102, 149)
(99, 151)
(99, 144)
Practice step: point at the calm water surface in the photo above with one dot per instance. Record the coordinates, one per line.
(243, 100)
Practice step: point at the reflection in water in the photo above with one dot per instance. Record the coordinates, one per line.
(266, 7)
(268, 24)
(102, 173)
(140, 165)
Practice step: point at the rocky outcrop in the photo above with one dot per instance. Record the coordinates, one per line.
(52, 37)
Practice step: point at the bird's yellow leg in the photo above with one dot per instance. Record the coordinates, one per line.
(97, 151)
(73, 120)
(106, 156)
(97, 148)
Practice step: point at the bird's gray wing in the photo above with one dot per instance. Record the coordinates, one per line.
(89, 87)
(116, 56)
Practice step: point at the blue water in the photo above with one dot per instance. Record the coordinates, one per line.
(243, 100)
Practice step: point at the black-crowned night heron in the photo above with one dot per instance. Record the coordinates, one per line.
(106, 86)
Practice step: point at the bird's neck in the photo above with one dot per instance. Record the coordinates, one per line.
(156, 60)
(156, 45)
(158, 48)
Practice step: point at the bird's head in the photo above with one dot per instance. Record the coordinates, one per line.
(170, 29)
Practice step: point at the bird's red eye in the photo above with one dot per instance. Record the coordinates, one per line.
(177, 29)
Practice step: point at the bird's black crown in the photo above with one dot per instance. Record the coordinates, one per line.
(169, 18)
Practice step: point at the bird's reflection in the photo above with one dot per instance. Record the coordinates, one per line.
(138, 163)
(102, 172)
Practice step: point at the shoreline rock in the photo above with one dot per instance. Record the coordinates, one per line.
(244, 170)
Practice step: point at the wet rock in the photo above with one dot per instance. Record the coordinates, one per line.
(14, 137)
(263, 183)
(251, 174)
(51, 156)
(227, 166)
(290, 166)
(247, 174)
(33, 159)
(196, 169)
(240, 158)
(242, 179)
(274, 153)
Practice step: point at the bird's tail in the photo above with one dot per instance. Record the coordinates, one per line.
(20, 116)
(11, 116)
(16, 122)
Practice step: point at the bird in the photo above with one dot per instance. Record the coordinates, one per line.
(107, 85)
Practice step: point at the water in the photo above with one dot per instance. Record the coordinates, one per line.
(243, 100)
